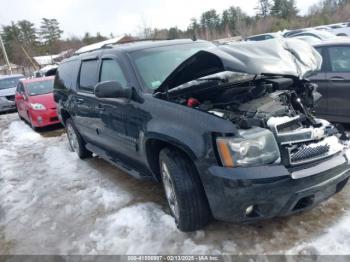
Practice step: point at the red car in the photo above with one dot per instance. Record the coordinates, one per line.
(35, 103)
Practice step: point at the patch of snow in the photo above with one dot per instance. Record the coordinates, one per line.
(336, 240)
(21, 134)
(143, 229)
(51, 202)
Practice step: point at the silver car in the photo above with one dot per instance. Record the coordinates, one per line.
(8, 85)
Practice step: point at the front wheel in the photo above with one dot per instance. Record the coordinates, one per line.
(76, 142)
(184, 191)
(31, 122)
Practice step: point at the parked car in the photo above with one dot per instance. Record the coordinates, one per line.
(290, 33)
(263, 37)
(226, 129)
(341, 29)
(35, 103)
(309, 39)
(322, 35)
(8, 85)
(334, 81)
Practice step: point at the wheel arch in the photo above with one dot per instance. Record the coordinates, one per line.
(154, 145)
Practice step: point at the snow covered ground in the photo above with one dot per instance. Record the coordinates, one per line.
(53, 203)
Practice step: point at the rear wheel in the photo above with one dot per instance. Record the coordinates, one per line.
(184, 191)
(76, 142)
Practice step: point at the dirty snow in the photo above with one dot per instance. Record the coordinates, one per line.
(53, 203)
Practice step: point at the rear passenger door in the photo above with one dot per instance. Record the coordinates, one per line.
(339, 81)
(85, 102)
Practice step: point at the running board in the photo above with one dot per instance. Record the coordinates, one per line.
(117, 163)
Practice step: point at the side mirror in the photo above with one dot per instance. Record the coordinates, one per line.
(112, 89)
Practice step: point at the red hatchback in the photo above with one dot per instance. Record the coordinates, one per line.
(35, 103)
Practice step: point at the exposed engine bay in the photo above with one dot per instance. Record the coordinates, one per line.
(278, 103)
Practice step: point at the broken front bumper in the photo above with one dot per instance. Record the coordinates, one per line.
(254, 193)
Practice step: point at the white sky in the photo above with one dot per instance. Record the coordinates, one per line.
(119, 16)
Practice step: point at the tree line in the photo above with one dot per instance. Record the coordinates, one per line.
(271, 15)
(23, 39)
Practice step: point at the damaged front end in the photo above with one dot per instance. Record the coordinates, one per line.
(262, 89)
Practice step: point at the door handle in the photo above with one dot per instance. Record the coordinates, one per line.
(79, 100)
(337, 78)
(100, 107)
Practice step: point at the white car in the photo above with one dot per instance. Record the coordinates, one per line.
(340, 29)
(320, 34)
(263, 37)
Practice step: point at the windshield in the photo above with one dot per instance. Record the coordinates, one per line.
(9, 82)
(40, 88)
(155, 64)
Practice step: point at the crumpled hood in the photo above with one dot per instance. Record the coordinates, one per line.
(8, 91)
(289, 57)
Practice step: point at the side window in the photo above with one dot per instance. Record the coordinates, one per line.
(339, 57)
(112, 71)
(88, 73)
(67, 75)
(321, 51)
(19, 88)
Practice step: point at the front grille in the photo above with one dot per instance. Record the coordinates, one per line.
(301, 144)
(306, 153)
(53, 119)
(10, 98)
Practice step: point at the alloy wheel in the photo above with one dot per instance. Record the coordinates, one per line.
(170, 190)
(73, 138)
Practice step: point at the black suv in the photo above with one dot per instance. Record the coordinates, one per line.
(225, 144)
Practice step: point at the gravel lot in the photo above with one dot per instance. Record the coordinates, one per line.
(53, 203)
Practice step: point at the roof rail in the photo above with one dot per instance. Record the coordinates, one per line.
(110, 45)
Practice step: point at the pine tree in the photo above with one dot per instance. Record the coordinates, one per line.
(27, 32)
(264, 8)
(50, 31)
(284, 9)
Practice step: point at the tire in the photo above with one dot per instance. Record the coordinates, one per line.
(31, 123)
(76, 142)
(20, 117)
(184, 191)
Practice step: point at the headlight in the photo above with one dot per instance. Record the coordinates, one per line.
(253, 147)
(37, 106)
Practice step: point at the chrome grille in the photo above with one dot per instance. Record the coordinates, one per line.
(304, 153)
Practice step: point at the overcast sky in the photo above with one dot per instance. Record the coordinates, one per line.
(119, 16)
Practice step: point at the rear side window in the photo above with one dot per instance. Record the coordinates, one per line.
(67, 75)
(111, 71)
(257, 38)
(339, 57)
(88, 75)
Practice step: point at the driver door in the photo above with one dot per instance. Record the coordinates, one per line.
(113, 113)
